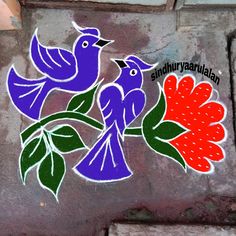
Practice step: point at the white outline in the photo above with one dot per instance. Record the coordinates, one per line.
(31, 91)
(80, 29)
(109, 101)
(161, 90)
(152, 66)
(49, 149)
(120, 89)
(108, 85)
(172, 121)
(106, 129)
(29, 169)
(105, 157)
(59, 89)
(105, 143)
(53, 59)
(93, 159)
(212, 167)
(62, 119)
(217, 93)
(98, 85)
(50, 132)
(40, 89)
(126, 59)
(59, 185)
(68, 63)
(48, 48)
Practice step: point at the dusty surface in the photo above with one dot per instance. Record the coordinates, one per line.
(165, 230)
(159, 190)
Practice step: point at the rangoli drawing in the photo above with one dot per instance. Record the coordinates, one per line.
(184, 125)
(62, 70)
(120, 103)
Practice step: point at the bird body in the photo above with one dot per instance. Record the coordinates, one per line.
(120, 103)
(74, 71)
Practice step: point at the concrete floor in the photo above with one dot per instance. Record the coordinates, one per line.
(159, 191)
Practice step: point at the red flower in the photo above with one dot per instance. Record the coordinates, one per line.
(189, 105)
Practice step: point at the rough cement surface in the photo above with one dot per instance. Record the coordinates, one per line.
(164, 230)
(159, 190)
(147, 2)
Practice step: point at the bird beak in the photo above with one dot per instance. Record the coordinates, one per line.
(120, 63)
(103, 42)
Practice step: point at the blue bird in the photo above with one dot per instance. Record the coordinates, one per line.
(61, 69)
(120, 103)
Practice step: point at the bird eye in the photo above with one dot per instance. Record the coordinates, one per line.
(85, 44)
(133, 72)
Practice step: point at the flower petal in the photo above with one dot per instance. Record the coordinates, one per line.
(201, 93)
(214, 133)
(191, 108)
(214, 152)
(185, 87)
(170, 86)
(211, 112)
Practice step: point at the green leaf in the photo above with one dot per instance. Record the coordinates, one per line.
(153, 130)
(154, 116)
(66, 139)
(83, 102)
(31, 155)
(168, 130)
(51, 172)
(166, 149)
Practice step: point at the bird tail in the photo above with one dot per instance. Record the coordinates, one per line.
(27, 95)
(105, 161)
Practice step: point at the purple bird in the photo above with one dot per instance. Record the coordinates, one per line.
(61, 69)
(120, 103)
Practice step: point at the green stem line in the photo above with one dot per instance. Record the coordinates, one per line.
(28, 132)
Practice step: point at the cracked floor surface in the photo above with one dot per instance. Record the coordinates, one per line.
(159, 191)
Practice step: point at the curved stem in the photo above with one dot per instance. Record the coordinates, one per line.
(68, 115)
(134, 131)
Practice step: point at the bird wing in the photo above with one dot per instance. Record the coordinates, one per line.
(27, 95)
(133, 104)
(55, 63)
(110, 102)
(116, 107)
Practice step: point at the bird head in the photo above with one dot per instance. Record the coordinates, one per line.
(89, 43)
(131, 72)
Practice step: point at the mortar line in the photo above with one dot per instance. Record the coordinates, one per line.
(230, 38)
